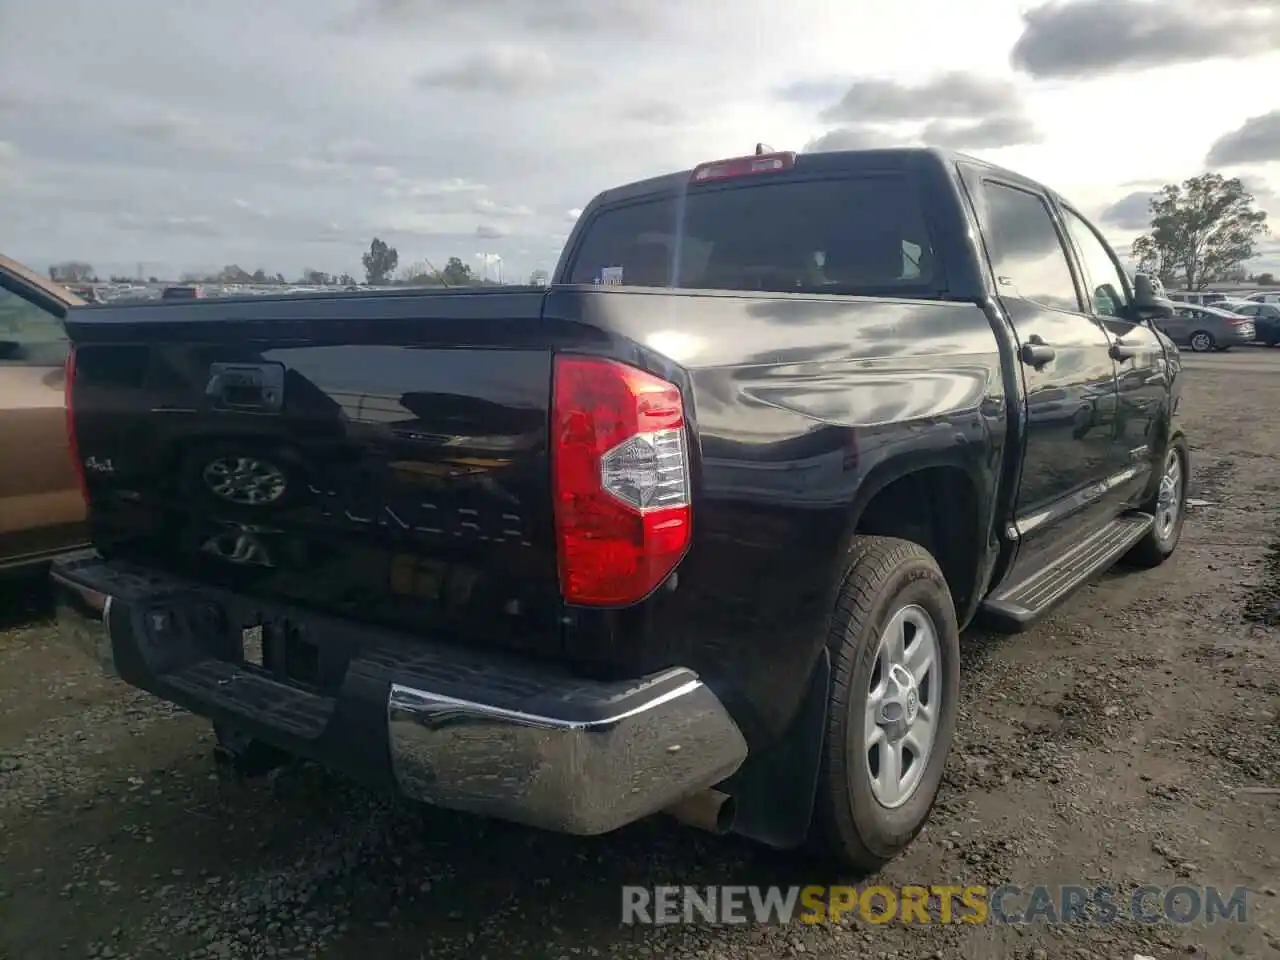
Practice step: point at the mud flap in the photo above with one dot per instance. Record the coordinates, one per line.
(774, 791)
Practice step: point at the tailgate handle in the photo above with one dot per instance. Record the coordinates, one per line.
(253, 387)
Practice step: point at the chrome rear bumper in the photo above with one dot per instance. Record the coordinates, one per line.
(470, 730)
(669, 737)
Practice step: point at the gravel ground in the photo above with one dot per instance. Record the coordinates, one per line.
(1132, 738)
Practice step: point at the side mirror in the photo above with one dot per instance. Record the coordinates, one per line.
(1146, 304)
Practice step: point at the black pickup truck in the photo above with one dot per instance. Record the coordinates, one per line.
(695, 528)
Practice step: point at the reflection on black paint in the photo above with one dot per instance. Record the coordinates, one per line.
(405, 467)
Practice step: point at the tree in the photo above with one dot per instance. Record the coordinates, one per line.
(457, 274)
(347, 280)
(539, 278)
(420, 274)
(379, 263)
(1202, 230)
(1266, 279)
(316, 278)
(259, 276)
(71, 271)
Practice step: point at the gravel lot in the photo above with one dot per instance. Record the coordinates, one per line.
(1133, 738)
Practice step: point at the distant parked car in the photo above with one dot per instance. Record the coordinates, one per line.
(1197, 299)
(1266, 320)
(1264, 298)
(185, 292)
(42, 510)
(87, 292)
(1206, 329)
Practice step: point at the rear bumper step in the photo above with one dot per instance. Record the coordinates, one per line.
(476, 732)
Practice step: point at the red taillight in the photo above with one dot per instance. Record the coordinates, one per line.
(742, 166)
(69, 378)
(620, 478)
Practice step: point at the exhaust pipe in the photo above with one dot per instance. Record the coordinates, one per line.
(708, 810)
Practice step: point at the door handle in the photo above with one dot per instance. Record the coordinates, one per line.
(1036, 353)
(1122, 351)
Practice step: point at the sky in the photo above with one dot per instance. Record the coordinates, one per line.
(185, 136)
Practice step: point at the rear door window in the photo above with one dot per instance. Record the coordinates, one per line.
(864, 234)
(1028, 255)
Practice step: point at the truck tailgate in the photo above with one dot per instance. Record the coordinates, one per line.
(383, 459)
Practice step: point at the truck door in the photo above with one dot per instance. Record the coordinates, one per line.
(1065, 491)
(1142, 374)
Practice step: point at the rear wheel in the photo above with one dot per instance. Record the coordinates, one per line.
(1202, 341)
(895, 648)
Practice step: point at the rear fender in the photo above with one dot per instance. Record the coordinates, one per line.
(983, 474)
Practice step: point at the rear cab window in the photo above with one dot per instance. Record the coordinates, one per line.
(862, 233)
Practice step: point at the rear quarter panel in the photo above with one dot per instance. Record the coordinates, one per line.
(801, 409)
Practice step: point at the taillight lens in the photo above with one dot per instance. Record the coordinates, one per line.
(620, 477)
(68, 389)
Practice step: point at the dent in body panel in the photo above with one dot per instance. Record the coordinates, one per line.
(801, 408)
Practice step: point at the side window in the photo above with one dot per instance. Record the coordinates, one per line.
(29, 334)
(1104, 276)
(1028, 257)
(1247, 310)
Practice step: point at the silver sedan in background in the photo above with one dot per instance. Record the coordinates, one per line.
(1206, 329)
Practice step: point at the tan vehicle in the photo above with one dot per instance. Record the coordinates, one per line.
(42, 510)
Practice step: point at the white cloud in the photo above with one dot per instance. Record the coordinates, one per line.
(502, 69)
(188, 141)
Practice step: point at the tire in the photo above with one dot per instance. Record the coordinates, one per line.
(887, 578)
(1162, 539)
(1202, 342)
